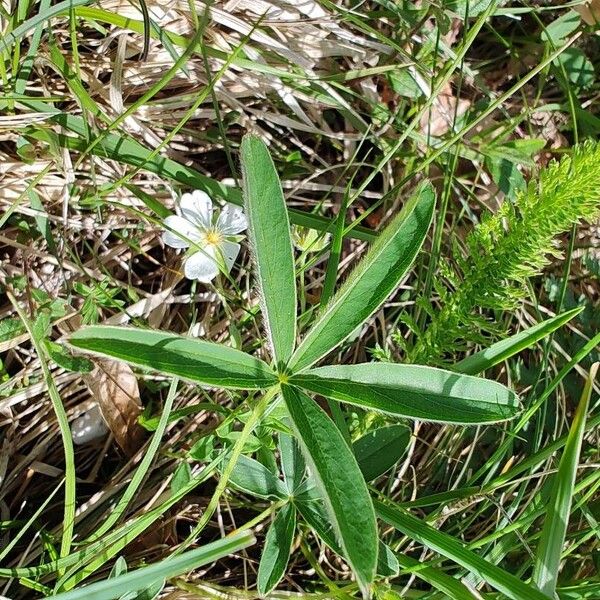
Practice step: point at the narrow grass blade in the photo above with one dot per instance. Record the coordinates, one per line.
(548, 556)
(380, 449)
(448, 585)
(61, 8)
(340, 481)
(447, 546)
(186, 357)
(414, 391)
(276, 552)
(63, 425)
(496, 353)
(377, 275)
(171, 567)
(130, 152)
(269, 233)
(254, 478)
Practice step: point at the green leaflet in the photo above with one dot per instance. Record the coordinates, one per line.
(276, 552)
(341, 483)
(447, 546)
(380, 449)
(376, 276)
(186, 357)
(496, 353)
(269, 233)
(292, 462)
(139, 579)
(547, 562)
(310, 506)
(414, 391)
(253, 477)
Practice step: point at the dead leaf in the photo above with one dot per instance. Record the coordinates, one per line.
(445, 109)
(590, 12)
(114, 387)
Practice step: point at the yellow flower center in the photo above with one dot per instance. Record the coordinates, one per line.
(213, 238)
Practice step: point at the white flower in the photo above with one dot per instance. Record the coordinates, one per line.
(209, 238)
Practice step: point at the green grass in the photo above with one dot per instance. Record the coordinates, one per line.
(358, 104)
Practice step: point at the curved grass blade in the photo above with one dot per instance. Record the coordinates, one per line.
(340, 482)
(447, 546)
(414, 391)
(547, 562)
(185, 357)
(276, 552)
(269, 233)
(379, 450)
(376, 276)
(496, 353)
(253, 477)
(139, 579)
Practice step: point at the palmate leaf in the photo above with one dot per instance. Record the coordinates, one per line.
(182, 356)
(376, 276)
(276, 552)
(269, 233)
(413, 391)
(340, 483)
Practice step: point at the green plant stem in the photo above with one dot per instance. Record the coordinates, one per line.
(238, 448)
(65, 433)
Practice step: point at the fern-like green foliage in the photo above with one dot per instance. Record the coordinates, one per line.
(506, 249)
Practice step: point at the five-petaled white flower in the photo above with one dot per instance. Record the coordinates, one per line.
(210, 238)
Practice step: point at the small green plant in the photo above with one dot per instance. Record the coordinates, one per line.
(508, 248)
(402, 391)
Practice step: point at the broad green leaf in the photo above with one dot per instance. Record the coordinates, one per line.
(186, 357)
(372, 281)
(276, 552)
(548, 556)
(311, 507)
(340, 482)
(451, 548)
(292, 461)
(578, 67)
(557, 31)
(269, 233)
(414, 391)
(254, 478)
(496, 353)
(380, 449)
(139, 579)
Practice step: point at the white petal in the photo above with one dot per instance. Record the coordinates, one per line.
(232, 220)
(202, 265)
(230, 251)
(197, 207)
(183, 231)
(89, 426)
